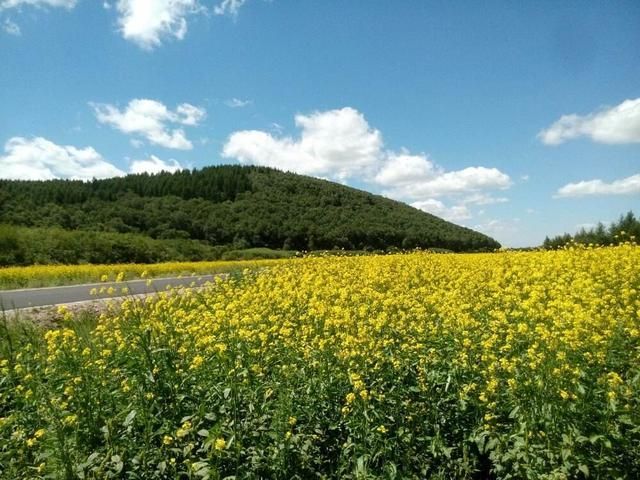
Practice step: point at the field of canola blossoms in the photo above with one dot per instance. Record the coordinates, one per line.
(505, 365)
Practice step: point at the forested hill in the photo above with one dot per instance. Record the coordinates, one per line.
(233, 205)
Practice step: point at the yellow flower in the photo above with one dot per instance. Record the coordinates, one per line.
(70, 420)
(196, 362)
(350, 397)
(220, 444)
(184, 430)
(382, 429)
(167, 440)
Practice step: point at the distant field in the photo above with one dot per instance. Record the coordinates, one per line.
(53, 275)
(477, 366)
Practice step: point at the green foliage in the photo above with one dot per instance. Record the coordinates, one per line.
(627, 228)
(241, 207)
(257, 253)
(28, 246)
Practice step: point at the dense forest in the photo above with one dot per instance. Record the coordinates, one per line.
(233, 206)
(627, 228)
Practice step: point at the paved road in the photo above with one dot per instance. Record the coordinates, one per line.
(39, 297)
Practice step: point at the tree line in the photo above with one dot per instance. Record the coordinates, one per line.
(626, 228)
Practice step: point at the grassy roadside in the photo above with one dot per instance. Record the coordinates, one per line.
(57, 275)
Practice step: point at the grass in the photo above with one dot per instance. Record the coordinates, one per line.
(57, 275)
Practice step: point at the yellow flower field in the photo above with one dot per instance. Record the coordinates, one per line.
(45, 275)
(502, 365)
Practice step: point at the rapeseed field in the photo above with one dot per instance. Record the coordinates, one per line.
(504, 365)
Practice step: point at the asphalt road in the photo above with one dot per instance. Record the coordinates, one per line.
(40, 297)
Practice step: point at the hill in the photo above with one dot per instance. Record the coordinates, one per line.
(233, 206)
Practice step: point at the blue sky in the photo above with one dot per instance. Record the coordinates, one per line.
(519, 119)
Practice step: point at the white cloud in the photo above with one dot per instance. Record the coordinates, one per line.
(154, 165)
(228, 7)
(625, 186)
(619, 124)
(237, 103)
(41, 159)
(416, 176)
(483, 199)
(11, 28)
(403, 169)
(340, 145)
(455, 213)
(149, 22)
(337, 144)
(68, 4)
(460, 211)
(150, 119)
(496, 227)
(188, 114)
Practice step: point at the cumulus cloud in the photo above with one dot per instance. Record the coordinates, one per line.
(402, 169)
(188, 114)
(11, 28)
(150, 119)
(619, 124)
(237, 103)
(483, 199)
(496, 227)
(456, 213)
(340, 145)
(625, 186)
(148, 23)
(416, 176)
(40, 159)
(154, 165)
(228, 7)
(336, 144)
(68, 4)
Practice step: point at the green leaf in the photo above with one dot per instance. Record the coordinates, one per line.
(129, 419)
